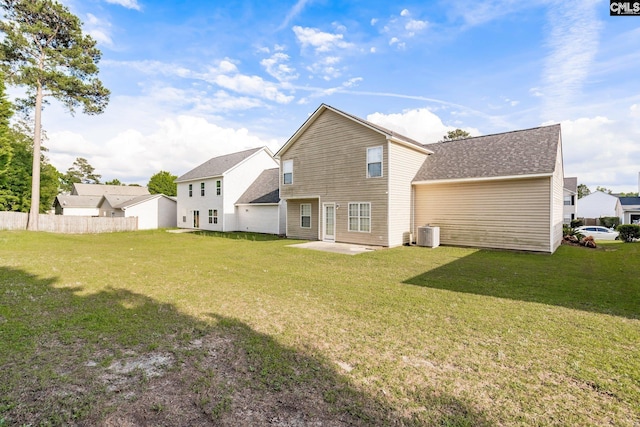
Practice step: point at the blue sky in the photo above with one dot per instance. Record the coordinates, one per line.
(191, 80)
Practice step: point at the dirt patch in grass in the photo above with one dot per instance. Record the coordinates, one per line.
(216, 384)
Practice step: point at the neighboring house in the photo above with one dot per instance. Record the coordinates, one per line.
(348, 180)
(71, 205)
(597, 204)
(152, 210)
(629, 210)
(207, 194)
(103, 189)
(85, 199)
(570, 193)
(259, 209)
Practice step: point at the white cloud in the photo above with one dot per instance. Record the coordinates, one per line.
(177, 144)
(252, 85)
(293, 12)
(602, 151)
(535, 91)
(419, 124)
(402, 28)
(320, 40)
(278, 66)
(129, 4)
(326, 47)
(98, 29)
(224, 74)
(474, 12)
(573, 41)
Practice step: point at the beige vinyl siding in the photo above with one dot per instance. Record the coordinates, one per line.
(404, 163)
(330, 161)
(509, 214)
(557, 202)
(294, 230)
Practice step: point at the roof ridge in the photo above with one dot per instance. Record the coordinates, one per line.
(495, 134)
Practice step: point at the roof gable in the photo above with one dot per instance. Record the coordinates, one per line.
(518, 153)
(389, 134)
(217, 166)
(73, 201)
(265, 189)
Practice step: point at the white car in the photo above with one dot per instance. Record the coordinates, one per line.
(598, 232)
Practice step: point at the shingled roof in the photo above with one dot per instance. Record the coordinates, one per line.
(102, 189)
(523, 152)
(217, 166)
(263, 190)
(571, 184)
(629, 201)
(73, 201)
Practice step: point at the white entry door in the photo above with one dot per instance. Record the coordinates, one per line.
(329, 222)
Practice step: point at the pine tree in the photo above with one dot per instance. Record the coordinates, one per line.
(45, 51)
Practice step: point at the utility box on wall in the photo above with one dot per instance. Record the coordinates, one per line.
(428, 236)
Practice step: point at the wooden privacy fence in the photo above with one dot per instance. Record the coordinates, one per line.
(69, 224)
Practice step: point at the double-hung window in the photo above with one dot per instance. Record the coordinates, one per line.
(218, 187)
(305, 215)
(190, 190)
(287, 172)
(374, 162)
(213, 216)
(360, 217)
(202, 188)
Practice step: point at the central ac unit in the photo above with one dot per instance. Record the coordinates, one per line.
(428, 236)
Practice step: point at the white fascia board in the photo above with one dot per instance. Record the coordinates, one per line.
(257, 204)
(237, 165)
(491, 178)
(202, 178)
(409, 145)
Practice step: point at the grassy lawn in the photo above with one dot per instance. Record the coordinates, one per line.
(154, 328)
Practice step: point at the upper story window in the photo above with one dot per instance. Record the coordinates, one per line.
(190, 190)
(374, 162)
(569, 200)
(218, 187)
(202, 188)
(287, 172)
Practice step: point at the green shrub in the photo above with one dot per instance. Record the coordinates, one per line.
(629, 232)
(576, 223)
(571, 231)
(609, 221)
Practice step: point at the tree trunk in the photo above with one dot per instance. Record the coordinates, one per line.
(34, 211)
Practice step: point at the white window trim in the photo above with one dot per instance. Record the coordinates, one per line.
(381, 162)
(218, 187)
(301, 206)
(287, 168)
(359, 217)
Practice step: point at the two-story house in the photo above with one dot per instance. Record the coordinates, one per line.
(348, 180)
(207, 194)
(570, 201)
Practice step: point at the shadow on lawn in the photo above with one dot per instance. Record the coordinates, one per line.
(238, 235)
(578, 278)
(120, 358)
